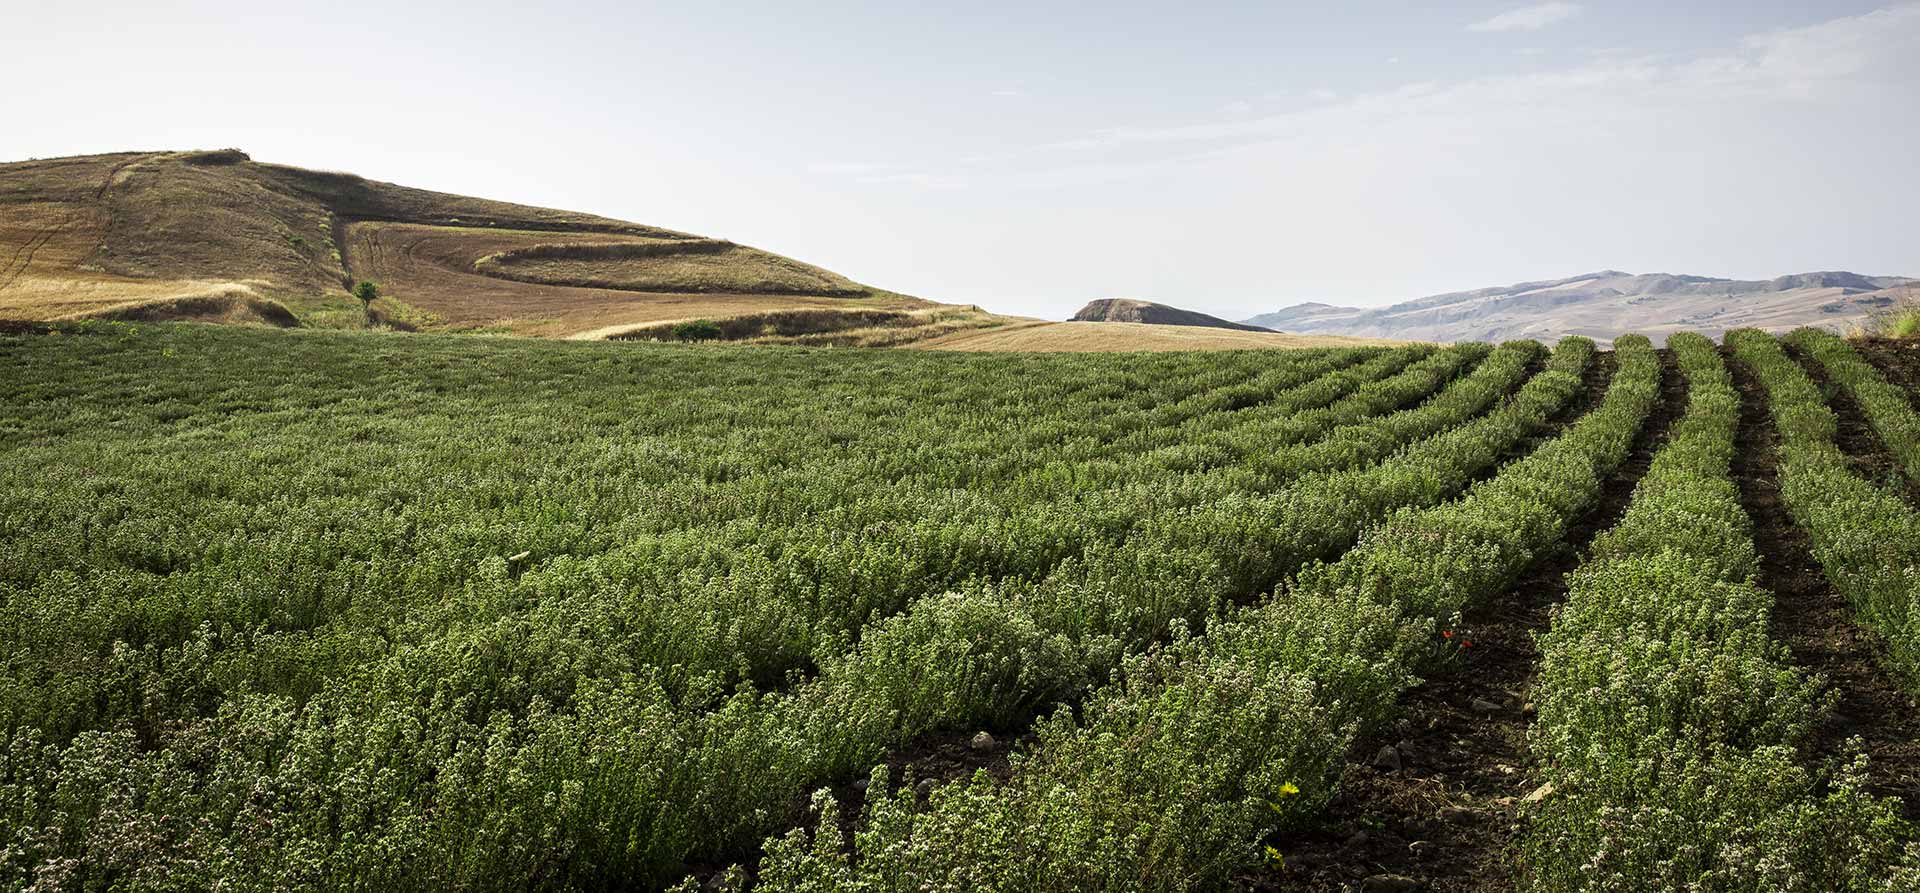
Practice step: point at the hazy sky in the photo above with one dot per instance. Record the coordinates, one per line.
(1228, 157)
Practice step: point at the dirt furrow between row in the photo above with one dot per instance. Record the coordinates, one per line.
(1431, 804)
(1815, 621)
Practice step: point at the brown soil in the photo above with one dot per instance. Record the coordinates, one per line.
(1815, 621)
(1898, 359)
(18, 327)
(1446, 820)
(1866, 455)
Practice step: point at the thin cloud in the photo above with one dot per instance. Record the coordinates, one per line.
(920, 179)
(1786, 64)
(1855, 55)
(846, 167)
(1528, 18)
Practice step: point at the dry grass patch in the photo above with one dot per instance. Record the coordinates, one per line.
(1900, 320)
(90, 233)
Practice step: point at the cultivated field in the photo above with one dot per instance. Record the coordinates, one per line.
(325, 610)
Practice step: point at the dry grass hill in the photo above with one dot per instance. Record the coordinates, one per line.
(218, 236)
(1610, 303)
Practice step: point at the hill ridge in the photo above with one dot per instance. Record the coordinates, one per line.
(1134, 310)
(1609, 303)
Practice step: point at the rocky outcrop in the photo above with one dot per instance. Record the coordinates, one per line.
(1127, 310)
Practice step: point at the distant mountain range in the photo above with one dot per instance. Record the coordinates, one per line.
(1607, 304)
(1128, 310)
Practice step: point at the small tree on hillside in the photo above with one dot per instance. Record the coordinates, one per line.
(366, 292)
(696, 330)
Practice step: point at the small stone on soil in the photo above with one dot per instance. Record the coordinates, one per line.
(982, 741)
(1389, 883)
(1458, 815)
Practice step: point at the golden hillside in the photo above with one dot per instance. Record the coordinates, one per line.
(216, 235)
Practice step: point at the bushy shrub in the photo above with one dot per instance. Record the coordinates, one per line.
(1194, 752)
(695, 330)
(528, 614)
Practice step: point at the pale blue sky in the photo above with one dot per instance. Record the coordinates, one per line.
(1229, 157)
